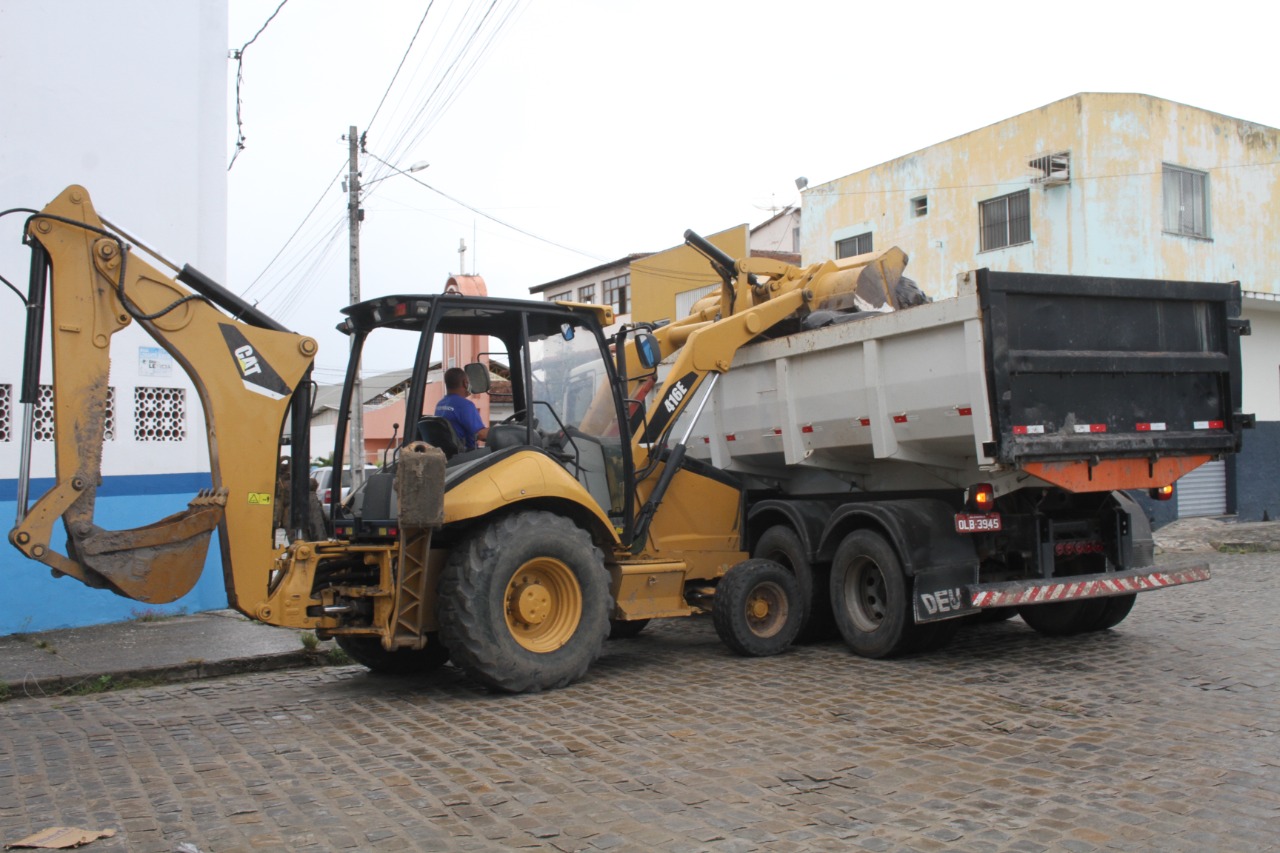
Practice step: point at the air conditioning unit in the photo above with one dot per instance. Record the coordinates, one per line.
(1051, 170)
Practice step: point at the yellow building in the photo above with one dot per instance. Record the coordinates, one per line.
(1122, 185)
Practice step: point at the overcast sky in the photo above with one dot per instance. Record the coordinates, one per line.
(610, 126)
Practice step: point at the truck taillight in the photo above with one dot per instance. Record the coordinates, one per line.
(1161, 493)
(982, 497)
(328, 494)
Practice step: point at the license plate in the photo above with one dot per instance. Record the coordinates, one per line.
(977, 522)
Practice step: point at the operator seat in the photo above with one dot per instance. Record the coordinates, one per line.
(438, 432)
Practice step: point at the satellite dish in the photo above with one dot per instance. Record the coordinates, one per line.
(802, 182)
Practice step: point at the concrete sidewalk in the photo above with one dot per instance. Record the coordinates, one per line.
(180, 648)
(223, 642)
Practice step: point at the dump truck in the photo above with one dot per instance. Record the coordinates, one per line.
(592, 509)
(972, 455)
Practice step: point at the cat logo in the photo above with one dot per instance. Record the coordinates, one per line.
(256, 371)
(248, 361)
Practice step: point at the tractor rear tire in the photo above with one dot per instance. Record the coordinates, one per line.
(758, 609)
(368, 652)
(524, 603)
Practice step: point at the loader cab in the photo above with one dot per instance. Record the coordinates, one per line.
(564, 395)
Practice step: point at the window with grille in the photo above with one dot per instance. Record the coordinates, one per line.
(616, 291)
(561, 297)
(920, 206)
(159, 414)
(859, 245)
(42, 426)
(1186, 201)
(587, 293)
(1006, 221)
(6, 412)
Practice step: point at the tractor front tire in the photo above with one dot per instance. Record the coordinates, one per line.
(758, 610)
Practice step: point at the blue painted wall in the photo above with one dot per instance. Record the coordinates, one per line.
(36, 601)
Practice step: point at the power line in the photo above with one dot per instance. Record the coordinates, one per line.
(396, 75)
(480, 212)
(238, 56)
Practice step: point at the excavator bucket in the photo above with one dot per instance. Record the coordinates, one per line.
(158, 563)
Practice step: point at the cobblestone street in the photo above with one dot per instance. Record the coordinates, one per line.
(1158, 735)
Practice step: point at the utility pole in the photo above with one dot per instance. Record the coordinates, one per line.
(354, 215)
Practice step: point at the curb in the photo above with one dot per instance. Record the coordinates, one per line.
(195, 670)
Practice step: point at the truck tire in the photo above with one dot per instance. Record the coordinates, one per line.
(1064, 618)
(870, 598)
(524, 603)
(368, 652)
(1115, 612)
(758, 609)
(782, 545)
(622, 629)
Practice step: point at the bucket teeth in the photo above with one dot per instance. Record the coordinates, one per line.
(209, 497)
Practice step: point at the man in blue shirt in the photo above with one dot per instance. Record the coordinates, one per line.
(460, 412)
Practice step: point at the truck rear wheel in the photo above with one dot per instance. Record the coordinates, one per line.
(1064, 618)
(1116, 611)
(368, 652)
(870, 598)
(757, 610)
(524, 603)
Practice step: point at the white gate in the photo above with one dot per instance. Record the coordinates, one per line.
(1203, 491)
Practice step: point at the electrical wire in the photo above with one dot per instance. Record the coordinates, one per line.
(480, 212)
(310, 212)
(239, 57)
(368, 124)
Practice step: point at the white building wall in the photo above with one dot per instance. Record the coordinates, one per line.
(127, 99)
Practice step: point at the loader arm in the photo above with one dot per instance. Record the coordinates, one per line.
(244, 374)
(756, 295)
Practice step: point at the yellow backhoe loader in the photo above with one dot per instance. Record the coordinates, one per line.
(515, 559)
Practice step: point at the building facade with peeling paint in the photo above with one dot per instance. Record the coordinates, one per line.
(1095, 184)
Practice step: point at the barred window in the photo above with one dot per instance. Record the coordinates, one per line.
(587, 293)
(43, 422)
(616, 292)
(859, 245)
(6, 412)
(1006, 221)
(159, 414)
(1186, 202)
(561, 297)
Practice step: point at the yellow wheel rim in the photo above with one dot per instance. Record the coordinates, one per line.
(543, 604)
(767, 610)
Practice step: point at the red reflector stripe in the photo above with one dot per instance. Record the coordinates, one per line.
(730, 437)
(864, 421)
(1209, 425)
(807, 428)
(964, 411)
(1090, 428)
(1030, 429)
(1151, 427)
(899, 419)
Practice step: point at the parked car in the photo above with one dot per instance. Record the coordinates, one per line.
(324, 476)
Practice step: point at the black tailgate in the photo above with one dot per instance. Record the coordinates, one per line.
(1081, 367)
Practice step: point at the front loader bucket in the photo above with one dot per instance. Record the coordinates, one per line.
(154, 564)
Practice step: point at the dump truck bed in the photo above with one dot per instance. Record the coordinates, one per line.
(1018, 373)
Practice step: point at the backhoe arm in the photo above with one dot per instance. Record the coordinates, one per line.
(244, 374)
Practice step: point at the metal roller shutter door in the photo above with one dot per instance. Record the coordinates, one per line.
(1203, 491)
